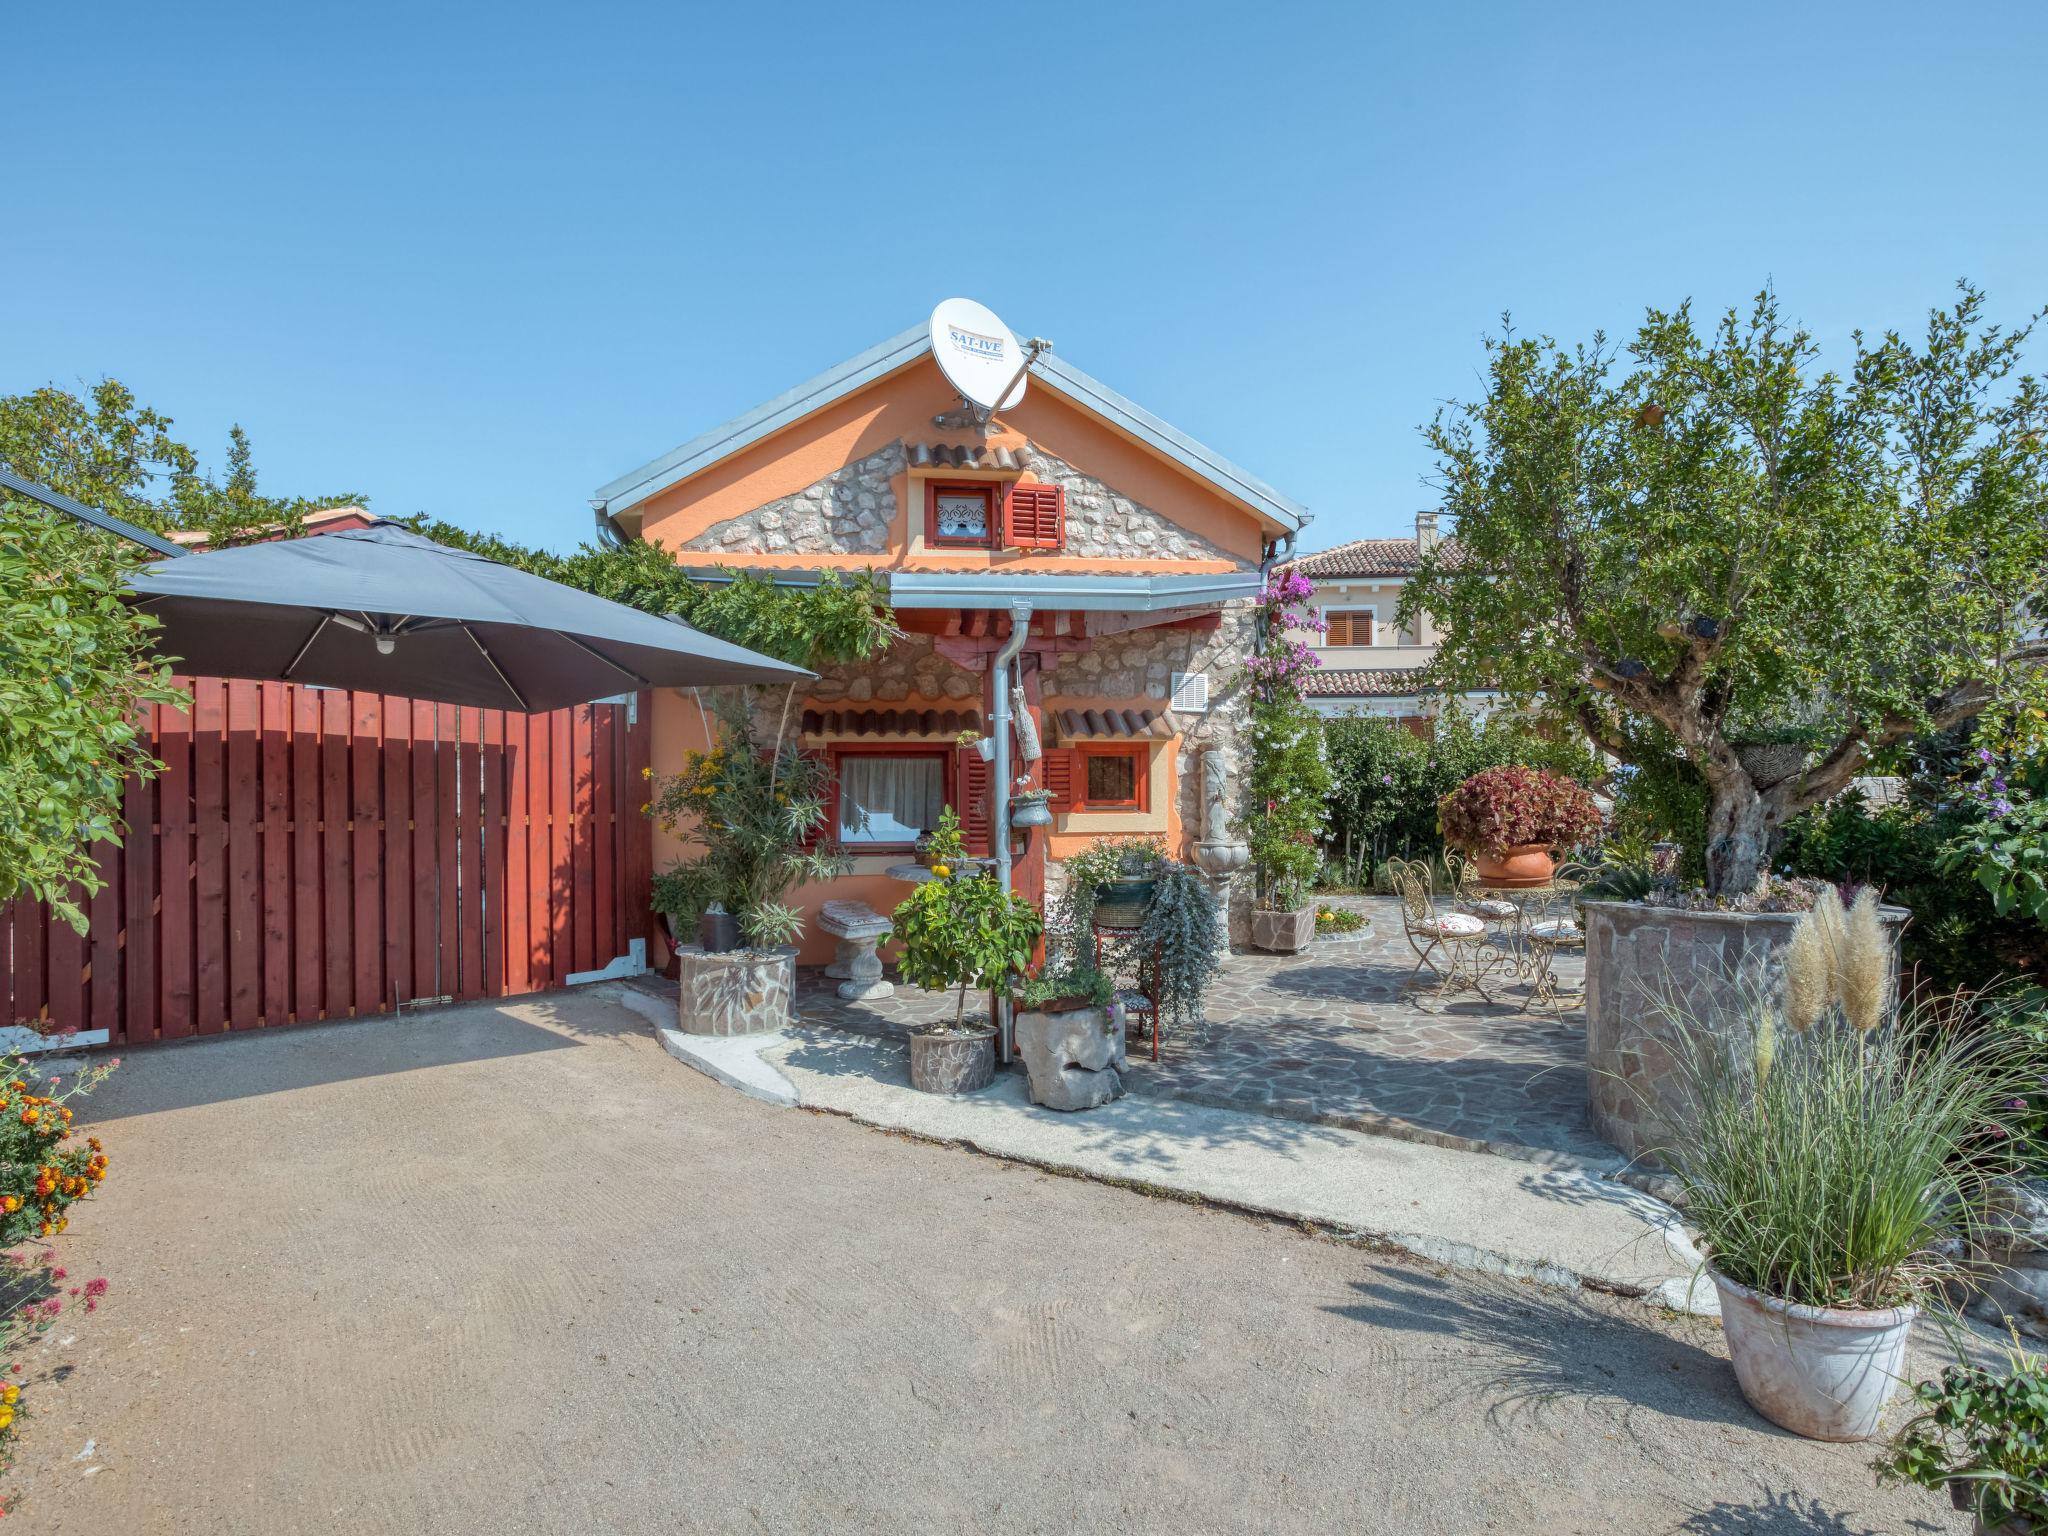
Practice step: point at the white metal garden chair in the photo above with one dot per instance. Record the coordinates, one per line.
(1454, 945)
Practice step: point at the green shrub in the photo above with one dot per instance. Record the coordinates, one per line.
(1957, 938)
(1387, 782)
(1985, 1432)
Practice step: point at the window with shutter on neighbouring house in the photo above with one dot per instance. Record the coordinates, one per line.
(1348, 626)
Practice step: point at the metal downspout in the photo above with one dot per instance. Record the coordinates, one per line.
(999, 796)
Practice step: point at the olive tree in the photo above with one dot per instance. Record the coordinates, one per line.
(1704, 540)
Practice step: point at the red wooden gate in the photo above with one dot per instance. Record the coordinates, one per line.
(311, 854)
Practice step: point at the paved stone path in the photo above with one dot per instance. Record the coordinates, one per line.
(1339, 1035)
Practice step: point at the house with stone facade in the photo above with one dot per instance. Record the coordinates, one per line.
(1115, 559)
(1371, 663)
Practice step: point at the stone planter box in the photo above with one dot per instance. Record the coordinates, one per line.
(1640, 958)
(961, 1063)
(740, 992)
(1283, 933)
(1074, 1060)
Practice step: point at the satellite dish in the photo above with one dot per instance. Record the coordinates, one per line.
(978, 354)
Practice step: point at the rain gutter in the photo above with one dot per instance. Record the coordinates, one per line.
(999, 797)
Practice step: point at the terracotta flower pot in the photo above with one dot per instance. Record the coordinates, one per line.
(952, 1063)
(1283, 933)
(1822, 1372)
(1523, 864)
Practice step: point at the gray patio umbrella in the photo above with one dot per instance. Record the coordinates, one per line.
(381, 608)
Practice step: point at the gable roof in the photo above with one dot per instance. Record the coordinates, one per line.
(902, 349)
(1373, 557)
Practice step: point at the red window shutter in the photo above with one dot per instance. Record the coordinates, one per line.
(1035, 517)
(1056, 770)
(972, 800)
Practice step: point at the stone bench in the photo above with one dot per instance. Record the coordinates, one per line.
(861, 930)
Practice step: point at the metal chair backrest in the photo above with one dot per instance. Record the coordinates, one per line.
(1412, 884)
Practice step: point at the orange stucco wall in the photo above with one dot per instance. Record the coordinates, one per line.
(900, 408)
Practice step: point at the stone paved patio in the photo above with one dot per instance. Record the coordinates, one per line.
(1338, 1035)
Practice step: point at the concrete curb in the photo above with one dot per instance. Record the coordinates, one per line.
(1557, 1227)
(734, 1060)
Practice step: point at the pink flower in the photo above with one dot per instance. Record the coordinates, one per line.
(97, 1287)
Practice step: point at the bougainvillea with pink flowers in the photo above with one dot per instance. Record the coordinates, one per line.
(1289, 782)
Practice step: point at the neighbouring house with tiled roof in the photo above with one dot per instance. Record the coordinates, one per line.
(1371, 664)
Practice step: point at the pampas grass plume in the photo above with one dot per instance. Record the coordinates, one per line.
(1809, 972)
(1863, 966)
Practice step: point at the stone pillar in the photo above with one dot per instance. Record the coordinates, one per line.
(1220, 853)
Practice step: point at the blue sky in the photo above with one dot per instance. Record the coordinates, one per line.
(477, 261)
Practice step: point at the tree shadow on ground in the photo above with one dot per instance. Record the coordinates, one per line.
(1781, 1513)
(1529, 1351)
(1140, 1134)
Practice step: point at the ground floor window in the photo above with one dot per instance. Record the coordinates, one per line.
(1114, 778)
(887, 796)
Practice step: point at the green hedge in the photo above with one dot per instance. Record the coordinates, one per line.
(1387, 782)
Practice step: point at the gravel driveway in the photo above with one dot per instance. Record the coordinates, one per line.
(509, 1268)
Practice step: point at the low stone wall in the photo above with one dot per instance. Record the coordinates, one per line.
(1642, 965)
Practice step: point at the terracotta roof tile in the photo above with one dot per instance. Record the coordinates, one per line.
(1373, 557)
(1363, 683)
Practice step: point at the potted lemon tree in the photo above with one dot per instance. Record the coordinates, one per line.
(960, 929)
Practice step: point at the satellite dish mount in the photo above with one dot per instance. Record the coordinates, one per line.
(981, 358)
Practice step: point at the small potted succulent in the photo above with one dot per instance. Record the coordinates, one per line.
(1031, 808)
(1513, 819)
(1983, 1436)
(960, 929)
(1066, 991)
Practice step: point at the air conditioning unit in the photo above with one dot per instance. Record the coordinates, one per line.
(1191, 692)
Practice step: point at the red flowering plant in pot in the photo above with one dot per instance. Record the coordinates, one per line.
(1511, 820)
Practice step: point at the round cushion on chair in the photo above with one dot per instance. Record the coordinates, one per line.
(1489, 906)
(1558, 930)
(1453, 925)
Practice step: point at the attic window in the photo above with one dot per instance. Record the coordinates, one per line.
(959, 516)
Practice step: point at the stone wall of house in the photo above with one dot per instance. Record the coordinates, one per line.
(1104, 523)
(849, 511)
(1142, 663)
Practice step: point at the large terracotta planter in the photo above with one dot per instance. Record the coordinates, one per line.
(1283, 933)
(1822, 1372)
(1525, 864)
(950, 1063)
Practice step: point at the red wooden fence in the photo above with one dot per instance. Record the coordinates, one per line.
(312, 854)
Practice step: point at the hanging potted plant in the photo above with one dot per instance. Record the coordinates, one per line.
(1834, 1150)
(1513, 821)
(960, 929)
(1031, 808)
